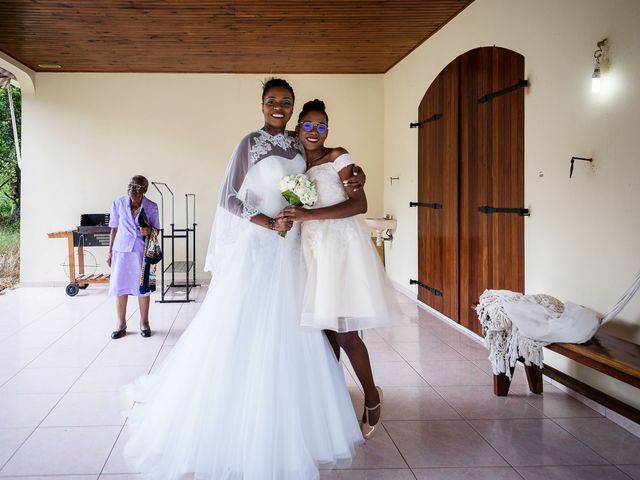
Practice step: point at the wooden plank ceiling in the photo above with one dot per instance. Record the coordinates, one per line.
(213, 36)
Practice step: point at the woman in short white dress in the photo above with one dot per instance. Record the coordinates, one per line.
(346, 288)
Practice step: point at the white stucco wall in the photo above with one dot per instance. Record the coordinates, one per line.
(85, 135)
(582, 241)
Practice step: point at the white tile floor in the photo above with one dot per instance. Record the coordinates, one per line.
(60, 411)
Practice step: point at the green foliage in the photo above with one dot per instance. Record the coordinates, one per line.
(9, 234)
(9, 256)
(292, 198)
(9, 170)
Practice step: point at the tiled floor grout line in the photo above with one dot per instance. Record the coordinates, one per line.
(49, 412)
(82, 319)
(70, 387)
(607, 462)
(475, 338)
(384, 344)
(511, 418)
(578, 440)
(58, 305)
(510, 467)
(113, 447)
(513, 467)
(617, 467)
(61, 397)
(148, 372)
(164, 341)
(462, 417)
(398, 450)
(35, 319)
(61, 475)
(451, 343)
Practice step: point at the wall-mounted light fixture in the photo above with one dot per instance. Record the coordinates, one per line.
(596, 78)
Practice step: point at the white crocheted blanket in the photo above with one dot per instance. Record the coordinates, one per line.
(502, 338)
(518, 326)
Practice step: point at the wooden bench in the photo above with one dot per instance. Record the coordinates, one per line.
(605, 353)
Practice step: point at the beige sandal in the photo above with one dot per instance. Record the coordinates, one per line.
(367, 429)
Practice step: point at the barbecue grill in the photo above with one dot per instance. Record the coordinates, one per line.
(94, 231)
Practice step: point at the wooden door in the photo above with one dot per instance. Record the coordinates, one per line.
(470, 161)
(437, 200)
(491, 176)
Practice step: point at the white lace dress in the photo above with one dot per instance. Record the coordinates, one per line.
(246, 394)
(347, 288)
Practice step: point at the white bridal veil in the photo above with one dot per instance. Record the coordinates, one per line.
(237, 203)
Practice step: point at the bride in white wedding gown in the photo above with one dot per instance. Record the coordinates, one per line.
(246, 394)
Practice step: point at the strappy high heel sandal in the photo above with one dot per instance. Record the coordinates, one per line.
(366, 428)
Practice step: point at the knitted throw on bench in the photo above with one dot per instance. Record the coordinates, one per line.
(518, 326)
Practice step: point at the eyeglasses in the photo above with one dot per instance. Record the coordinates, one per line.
(134, 187)
(321, 128)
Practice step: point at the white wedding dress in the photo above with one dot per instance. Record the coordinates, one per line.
(246, 394)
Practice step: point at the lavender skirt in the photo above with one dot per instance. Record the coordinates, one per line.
(125, 274)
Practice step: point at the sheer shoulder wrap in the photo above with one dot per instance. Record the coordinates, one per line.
(237, 204)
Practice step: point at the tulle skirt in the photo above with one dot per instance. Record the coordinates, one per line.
(246, 394)
(347, 288)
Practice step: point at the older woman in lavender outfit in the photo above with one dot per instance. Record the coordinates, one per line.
(126, 251)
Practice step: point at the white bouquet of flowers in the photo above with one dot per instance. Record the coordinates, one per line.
(299, 191)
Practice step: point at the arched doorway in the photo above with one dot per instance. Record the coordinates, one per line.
(471, 182)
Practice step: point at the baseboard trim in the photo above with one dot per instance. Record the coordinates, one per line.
(45, 284)
(606, 401)
(62, 284)
(472, 335)
(405, 291)
(615, 410)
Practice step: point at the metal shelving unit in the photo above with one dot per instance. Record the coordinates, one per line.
(170, 267)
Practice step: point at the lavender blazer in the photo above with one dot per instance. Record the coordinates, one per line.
(128, 238)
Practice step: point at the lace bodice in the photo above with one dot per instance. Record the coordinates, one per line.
(328, 182)
(242, 199)
(251, 186)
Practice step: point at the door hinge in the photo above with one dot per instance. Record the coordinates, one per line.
(434, 291)
(523, 212)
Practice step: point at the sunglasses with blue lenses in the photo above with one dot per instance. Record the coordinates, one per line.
(321, 128)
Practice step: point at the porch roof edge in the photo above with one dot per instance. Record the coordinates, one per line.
(24, 75)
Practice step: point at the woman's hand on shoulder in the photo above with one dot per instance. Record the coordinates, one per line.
(357, 179)
(295, 214)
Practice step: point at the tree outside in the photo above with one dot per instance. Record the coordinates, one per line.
(9, 192)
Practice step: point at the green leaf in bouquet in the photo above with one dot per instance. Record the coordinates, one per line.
(292, 198)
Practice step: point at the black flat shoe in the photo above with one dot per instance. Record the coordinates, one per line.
(118, 333)
(145, 333)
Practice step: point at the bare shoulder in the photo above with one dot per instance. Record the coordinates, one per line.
(334, 153)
